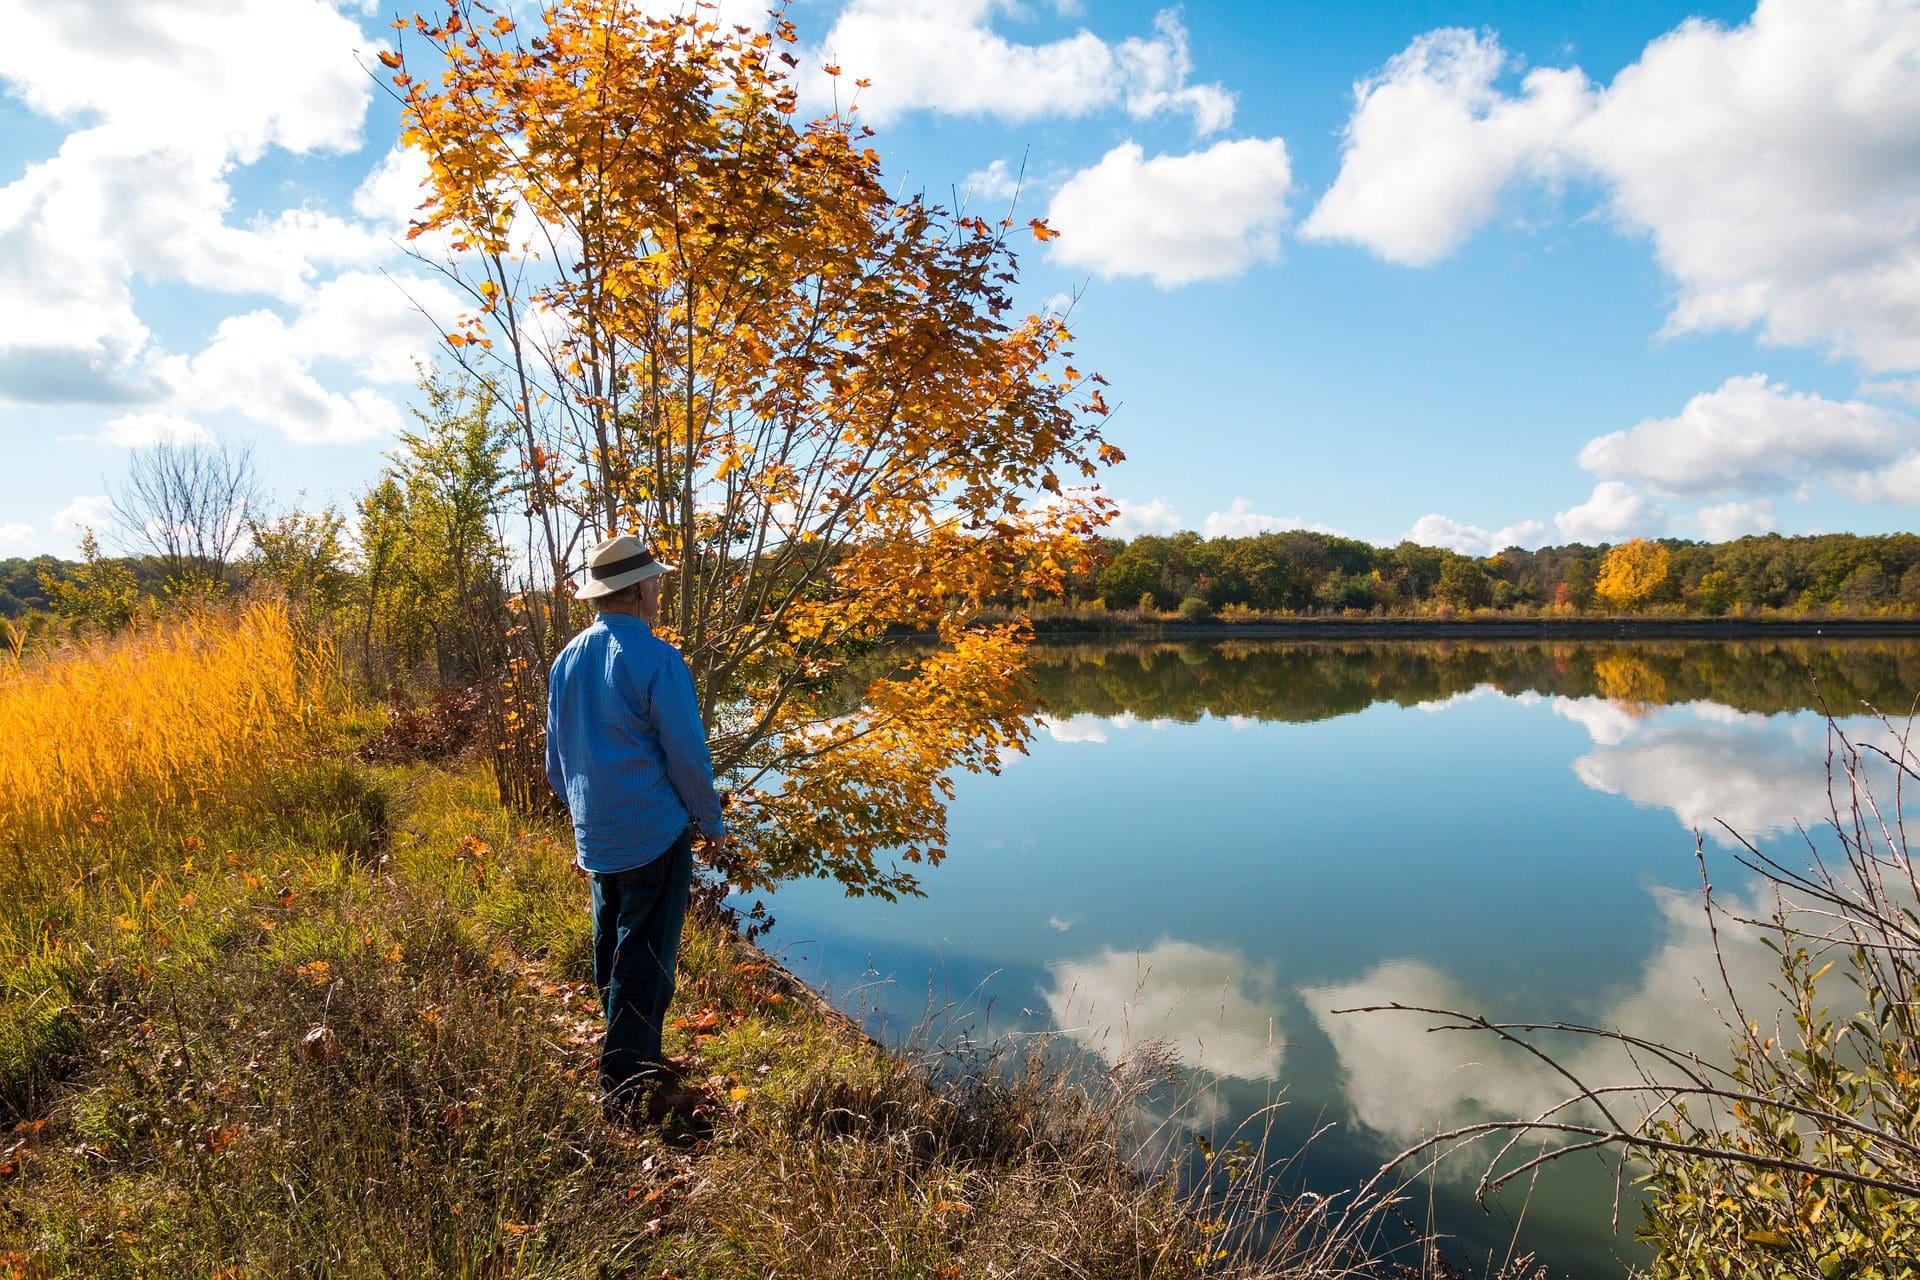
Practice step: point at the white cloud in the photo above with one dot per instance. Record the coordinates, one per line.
(1215, 1007)
(1898, 482)
(1082, 726)
(1434, 706)
(1206, 215)
(1907, 389)
(998, 181)
(172, 95)
(1751, 434)
(136, 430)
(89, 511)
(1770, 163)
(1155, 72)
(944, 55)
(1405, 1081)
(1153, 516)
(1435, 530)
(1607, 722)
(1402, 1081)
(1614, 512)
(1757, 780)
(1241, 521)
(1431, 142)
(382, 324)
(1809, 112)
(223, 77)
(17, 539)
(254, 367)
(1729, 520)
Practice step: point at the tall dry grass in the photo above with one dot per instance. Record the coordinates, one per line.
(163, 716)
(113, 752)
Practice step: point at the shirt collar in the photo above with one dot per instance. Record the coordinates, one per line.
(621, 620)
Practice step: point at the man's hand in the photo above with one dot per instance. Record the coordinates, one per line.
(711, 849)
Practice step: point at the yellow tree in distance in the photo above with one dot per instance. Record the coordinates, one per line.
(711, 324)
(1631, 573)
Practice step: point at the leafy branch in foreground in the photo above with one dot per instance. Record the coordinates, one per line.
(1798, 1152)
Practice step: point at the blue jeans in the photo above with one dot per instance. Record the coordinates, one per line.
(637, 916)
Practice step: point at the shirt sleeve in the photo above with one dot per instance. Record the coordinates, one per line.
(556, 778)
(676, 717)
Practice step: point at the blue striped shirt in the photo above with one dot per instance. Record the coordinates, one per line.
(625, 747)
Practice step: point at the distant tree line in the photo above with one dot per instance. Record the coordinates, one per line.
(1302, 573)
(415, 563)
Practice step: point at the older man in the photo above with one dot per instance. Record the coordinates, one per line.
(627, 752)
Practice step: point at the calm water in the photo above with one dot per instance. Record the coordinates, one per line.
(1219, 846)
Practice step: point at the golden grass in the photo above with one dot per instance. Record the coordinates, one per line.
(163, 715)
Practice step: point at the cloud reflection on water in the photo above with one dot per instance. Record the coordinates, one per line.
(1213, 1006)
(1404, 1081)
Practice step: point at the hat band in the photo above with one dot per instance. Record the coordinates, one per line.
(613, 569)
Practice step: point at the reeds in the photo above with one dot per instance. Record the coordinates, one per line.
(161, 717)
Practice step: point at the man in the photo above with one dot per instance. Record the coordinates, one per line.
(627, 752)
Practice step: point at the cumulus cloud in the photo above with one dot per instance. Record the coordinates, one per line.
(254, 367)
(944, 55)
(1726, 521)
(1240, 520)
(998, 181)
(230, 77)
(1898, 482)
(1435, 530)
(88, 511)
(172, 96)
(1404, 1081)
(1757, 780)
(1613, 512)
(1401, 1080)
(1607, 722)
(1809, 111)
(1156, 515)
(1431, 143)
(1904, 389)
(1751, 434)
(17, 539)
(136, 430)
(383, 325)
(1175, 219)
(1215, 1007)
(1084, 726)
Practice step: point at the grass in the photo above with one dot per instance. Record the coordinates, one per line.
(270, 1011)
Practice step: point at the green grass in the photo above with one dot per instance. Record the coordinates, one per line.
(341, 1025)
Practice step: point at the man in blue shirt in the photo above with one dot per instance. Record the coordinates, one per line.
(627, 753)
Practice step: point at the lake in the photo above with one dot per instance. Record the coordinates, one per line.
(1219, 845)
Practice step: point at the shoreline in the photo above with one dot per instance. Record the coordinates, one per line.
(1487, 629)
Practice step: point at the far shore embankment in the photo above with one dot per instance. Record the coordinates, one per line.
(1080, 630)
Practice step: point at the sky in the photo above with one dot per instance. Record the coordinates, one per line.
(1477, 274)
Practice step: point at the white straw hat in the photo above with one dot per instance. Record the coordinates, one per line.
(616, 564)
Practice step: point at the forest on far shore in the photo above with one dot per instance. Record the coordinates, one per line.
(1299, 573)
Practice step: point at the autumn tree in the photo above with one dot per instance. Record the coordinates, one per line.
(712, 324)
(1463, 584)
(98, 593)
(304, 554)
(1631, 573)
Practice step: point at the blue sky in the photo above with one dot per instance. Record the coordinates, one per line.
(1476, 272)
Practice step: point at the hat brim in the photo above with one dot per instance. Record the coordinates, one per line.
(594, 588)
